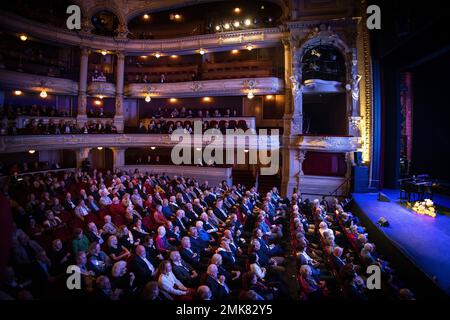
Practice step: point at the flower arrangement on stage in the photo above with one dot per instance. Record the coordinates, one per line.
(425, 207)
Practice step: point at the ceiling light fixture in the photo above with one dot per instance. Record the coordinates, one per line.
(250, 95)
(207, 99)
(236, 24)
(157, 55)
(23, 37)
(173, 100)
(226, 26)
(148, 98)
(104, 52)
(17, 92)
(237, 10)
(247, 22)
(202, 52)
(31, 151)
(249, 47)
(43, 94)
(153, 148)
(146, 16)
(99, 148)
(235, 51)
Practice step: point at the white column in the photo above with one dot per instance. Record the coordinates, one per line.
(82, 87)
(119, 157)
(120, 68)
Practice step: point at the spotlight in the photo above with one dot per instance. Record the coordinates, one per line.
(146, 16)
(23, 37)
(17, 92)
(104, 52)
(237, 10)
(247, 22)
(202, 52)
(148, 98)
(153, 148)
(173, 100)
(234, 51)
(99, 148)
(31, 151)
(250, 95)
(236, 24)
(249, 47)
(226, 26)
(43, 94)
(206, 99)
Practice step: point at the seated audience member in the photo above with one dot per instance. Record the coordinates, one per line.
(115, 251)
(216, 283)
(169, 283)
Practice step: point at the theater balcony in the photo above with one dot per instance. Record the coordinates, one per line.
(24, 143)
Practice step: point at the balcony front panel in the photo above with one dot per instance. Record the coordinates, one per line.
(228, 87)
(328, 143)
(32, 82)
(267, 37)
(10, 144)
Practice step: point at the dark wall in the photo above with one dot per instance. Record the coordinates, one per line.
(431, 116)
(325, 114)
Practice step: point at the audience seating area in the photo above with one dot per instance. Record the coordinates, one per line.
(333, 253)
(141, 236)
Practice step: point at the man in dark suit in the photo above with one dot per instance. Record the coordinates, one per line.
(181, 222)
(219, 211)
(337, 258)
(216, 283)
(141, 267)
(228, 258)
(183, 272)
(188, 254)
(190, 213)
(210, 198)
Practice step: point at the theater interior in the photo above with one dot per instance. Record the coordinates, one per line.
(233, 151)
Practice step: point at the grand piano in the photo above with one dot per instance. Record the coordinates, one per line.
(417, 188)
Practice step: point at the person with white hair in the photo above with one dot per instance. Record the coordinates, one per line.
(216, 283)
(120, 279)
(105, 200)
(109, 228)
(162, 243)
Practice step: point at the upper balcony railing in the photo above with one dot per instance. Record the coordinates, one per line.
(267, 37)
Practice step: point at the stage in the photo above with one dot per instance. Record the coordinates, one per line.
(422, 241)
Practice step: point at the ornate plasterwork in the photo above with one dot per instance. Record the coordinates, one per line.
(328, 143)
(236, 87)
